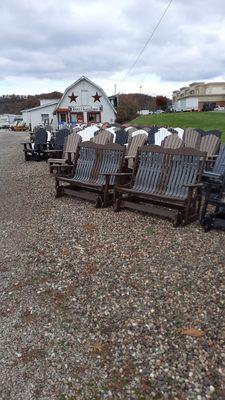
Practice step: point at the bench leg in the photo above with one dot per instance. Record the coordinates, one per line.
(59, 189)
(203, 213)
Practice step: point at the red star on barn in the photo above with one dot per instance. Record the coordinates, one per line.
(73, 98)
(97, 97)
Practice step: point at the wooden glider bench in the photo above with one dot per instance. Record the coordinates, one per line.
(165, 182)
(91, 178)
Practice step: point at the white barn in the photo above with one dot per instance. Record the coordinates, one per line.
(85, 102)
(82, 102)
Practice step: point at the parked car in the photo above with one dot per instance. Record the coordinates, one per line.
(159, 111)
(218, 108)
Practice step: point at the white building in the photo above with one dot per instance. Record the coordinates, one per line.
(42, 114)
(86, 102)
(83, 101)
(199, 96)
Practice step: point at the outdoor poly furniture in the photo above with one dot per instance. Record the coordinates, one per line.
(215, 132)
(210, 144)
(165, 182)
(191, 138)
(69, 153)
(36, 151)
(103, 137)
(138, 132)
(214, 194)
(173, 142)
(172, 130)
(160, 135)
(219, 166)
(179, 131)
(91, 178)
(151, 134)
(133, 144)
(88, 132)
(60, 137)
(121, 137)
(76, 129)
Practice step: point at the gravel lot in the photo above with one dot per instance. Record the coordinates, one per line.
(95, 304)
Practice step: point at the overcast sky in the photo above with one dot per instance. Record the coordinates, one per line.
(46, 45)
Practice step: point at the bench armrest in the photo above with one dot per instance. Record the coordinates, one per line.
(118, 174)
(129, 157)
(212, 175)
(53, 151)
(194, 185)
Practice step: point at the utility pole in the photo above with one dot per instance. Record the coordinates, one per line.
(140, 89)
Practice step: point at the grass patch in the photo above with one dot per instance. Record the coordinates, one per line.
(202, 120)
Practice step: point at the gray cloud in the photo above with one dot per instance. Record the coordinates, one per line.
(62, 40)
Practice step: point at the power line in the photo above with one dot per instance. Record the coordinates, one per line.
(147, 42)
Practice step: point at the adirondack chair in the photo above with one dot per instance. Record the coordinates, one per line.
(121, 137)
(214, 196)
(36, 151)
(218, 167)
(58, 143)
(88, 132)
(60, 137)
(172, 130)
(76, 129)
(165, 182)
(180, 132)
(215, 132)
(160, 135)
(133, 145)
(210, 144)
(91, 179)
(103, 137)
(70, 149)
(173, 142)
(151, 134)
(191, 138)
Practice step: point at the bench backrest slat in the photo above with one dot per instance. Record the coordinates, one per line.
(97, 159)
(149, 169)
(111, 162)
(86, 162)
(184, 172)
(167, 171)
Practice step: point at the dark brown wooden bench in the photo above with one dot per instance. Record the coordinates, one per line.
(165, 182)
(93, 175)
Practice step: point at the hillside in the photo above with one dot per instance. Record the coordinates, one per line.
(15, 103)
(202, 120)
(130, 104)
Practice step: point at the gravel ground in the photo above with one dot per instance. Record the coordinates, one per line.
(102, 305)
